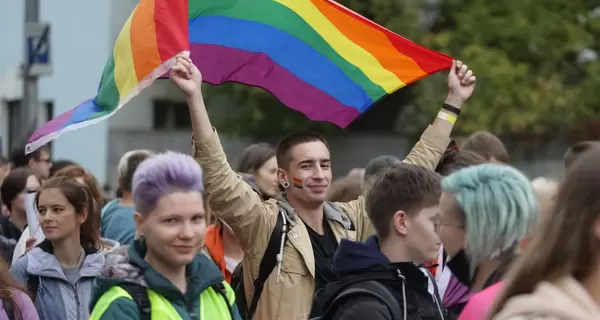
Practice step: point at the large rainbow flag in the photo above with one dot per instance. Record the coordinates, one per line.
(316, 56)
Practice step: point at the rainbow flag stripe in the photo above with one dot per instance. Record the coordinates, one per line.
(316, 56)
(153, 35)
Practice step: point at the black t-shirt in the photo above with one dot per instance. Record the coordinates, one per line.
(324, 247)
(9, 230)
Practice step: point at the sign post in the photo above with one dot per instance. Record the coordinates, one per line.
(37, 62)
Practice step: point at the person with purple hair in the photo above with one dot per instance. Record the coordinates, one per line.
(162, 268)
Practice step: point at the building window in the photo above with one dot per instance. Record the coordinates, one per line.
(13, 124)
(49, 112)
(171, 115)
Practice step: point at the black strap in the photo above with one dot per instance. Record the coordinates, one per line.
(33, 282)
(366, 288)
(8, 308)
(139, 295)
(451, 108)
(267, 264)
(220, 288)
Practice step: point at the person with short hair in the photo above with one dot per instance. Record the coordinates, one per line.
(38, 161)
(402, 204)
(116, 218)
(16, 185)
(162, 268)
(304, 171)
(487, 145)
(376, 166)
(487, 211)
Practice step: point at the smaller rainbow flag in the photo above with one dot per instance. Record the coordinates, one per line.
(145, 49)
(298, 183)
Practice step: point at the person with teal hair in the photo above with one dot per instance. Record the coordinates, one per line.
(487, 210)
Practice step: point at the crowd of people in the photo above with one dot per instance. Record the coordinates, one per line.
(449, 232)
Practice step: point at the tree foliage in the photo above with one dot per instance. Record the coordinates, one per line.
(529, 60)
(535, 61)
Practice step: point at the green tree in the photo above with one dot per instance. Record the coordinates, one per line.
(526, 55)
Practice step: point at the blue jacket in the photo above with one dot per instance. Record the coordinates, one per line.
(116, 222)
(56, 297)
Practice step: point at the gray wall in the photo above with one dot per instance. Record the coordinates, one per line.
(347, 152)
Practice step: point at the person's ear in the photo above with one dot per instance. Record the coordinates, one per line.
(81, 218)
(31, 163)
(400, 222)
(139, 224)
(283, 178)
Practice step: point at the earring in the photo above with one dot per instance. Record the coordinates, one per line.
(286, 185)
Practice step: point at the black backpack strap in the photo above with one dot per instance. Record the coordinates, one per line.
(220, 288)
(269, 260)
(33, 282)
(370, 288)
(8, 308)
(139, 295)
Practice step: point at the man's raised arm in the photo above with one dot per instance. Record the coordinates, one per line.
(230, 198)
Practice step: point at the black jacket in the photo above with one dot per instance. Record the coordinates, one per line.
(361, 261)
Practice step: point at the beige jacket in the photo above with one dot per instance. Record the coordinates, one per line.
(566, 299)
(252, 221)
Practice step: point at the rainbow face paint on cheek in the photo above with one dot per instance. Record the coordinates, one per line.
(298, 183)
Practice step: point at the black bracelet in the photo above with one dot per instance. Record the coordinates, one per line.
(452, 109)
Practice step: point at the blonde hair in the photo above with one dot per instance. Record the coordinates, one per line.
(545, 192)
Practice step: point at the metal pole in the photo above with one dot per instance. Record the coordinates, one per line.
(30, 107)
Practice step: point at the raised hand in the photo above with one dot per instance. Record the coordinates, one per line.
(461, 83)
(186, 76)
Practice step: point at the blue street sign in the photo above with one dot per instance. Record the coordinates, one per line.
(38, 49)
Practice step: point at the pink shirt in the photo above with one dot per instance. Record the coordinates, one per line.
(480, 303)
(25, 305)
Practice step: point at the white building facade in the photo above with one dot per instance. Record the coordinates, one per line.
(81, 39)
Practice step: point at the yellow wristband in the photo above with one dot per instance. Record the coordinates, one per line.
(448, 117)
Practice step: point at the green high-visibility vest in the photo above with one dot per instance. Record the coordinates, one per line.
(212, 304)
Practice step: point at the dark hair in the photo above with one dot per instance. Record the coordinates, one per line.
(20, 159)
(254, 157)
(487, 145)
(566, 243)
(59, 165)
(345, 189)
(133, 161)
(92, 185)
(8, 285)
(119, 192)
(14, 183)
(455, 159)
(3, 161)
(284, 147)
(378, 164)
(577, 150)
(405, 187)
(80, 197)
